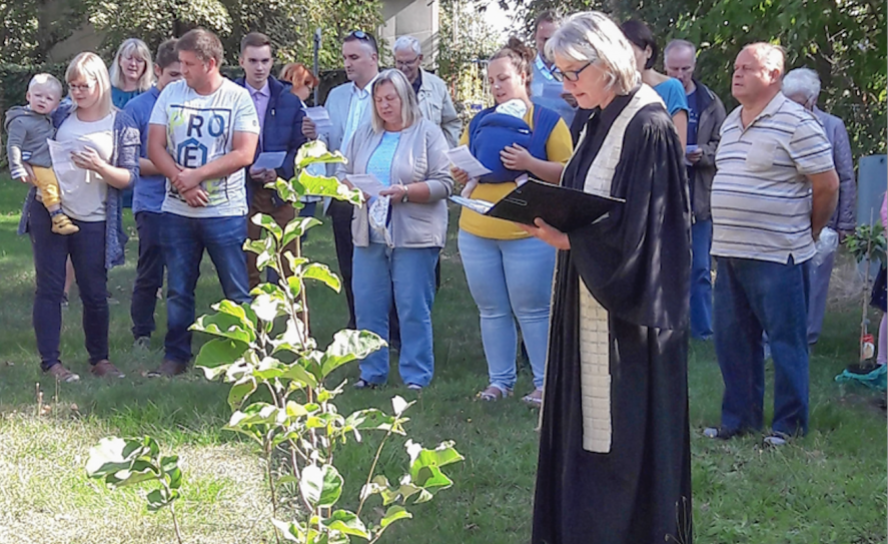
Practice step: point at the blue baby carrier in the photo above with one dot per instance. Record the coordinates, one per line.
(490, 132)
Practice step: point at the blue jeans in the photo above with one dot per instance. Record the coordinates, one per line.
(701, 280)
(184, 240)
(509, 277)
(409, 273)
(149, 273)
(752, 297)
(87, 251)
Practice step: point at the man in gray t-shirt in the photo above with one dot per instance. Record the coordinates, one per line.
(203, 132)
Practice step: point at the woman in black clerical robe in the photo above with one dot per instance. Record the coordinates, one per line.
(614, 463)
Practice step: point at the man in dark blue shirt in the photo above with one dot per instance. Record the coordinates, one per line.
(705, 116)
(148, 194)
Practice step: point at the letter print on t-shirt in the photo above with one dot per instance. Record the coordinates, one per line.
(200, 129)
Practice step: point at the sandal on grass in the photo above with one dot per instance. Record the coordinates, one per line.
(493, 393)
(535, 398)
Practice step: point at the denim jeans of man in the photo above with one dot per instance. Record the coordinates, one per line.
(409, 273)
(819, 290)
(752, 297)
(149, 273)
(87, 251)
(701, 280)
(184, 240)
(506, 278)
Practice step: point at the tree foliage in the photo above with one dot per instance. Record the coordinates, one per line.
(30, 28)
(844, 40)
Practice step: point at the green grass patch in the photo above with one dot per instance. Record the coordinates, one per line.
(827, 487)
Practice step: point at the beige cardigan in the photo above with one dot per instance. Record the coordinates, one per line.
(420, 158)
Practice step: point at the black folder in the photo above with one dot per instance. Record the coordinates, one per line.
(564, 208)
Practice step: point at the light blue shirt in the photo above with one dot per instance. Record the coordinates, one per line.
(380, 165)
(673, 94)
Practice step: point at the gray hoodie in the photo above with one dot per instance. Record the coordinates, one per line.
(27, 132)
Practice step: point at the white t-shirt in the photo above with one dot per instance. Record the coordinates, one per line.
(84, 192)
(200, 129)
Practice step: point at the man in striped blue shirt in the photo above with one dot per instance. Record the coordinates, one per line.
(774, 190)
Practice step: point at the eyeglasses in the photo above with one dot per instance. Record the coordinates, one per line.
(85, 88)
(570, 75)
(406, 63)
(359, 34)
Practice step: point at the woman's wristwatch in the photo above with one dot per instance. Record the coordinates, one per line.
(404, 197)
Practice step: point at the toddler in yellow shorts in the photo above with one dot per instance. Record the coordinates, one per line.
(28, 128)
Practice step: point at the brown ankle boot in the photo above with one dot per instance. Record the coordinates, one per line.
(61, 224)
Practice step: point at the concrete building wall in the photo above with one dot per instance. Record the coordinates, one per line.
(418, 18)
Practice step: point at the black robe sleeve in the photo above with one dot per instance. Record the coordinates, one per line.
(636, 262)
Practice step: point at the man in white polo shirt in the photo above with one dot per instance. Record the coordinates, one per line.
(774, 190)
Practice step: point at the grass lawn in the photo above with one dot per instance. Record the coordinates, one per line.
(827, 487)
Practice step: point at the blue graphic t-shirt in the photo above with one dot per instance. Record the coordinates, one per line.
(199, 130)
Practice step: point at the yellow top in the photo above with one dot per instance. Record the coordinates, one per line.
(559, 147)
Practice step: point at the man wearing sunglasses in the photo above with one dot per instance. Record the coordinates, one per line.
(349, 106)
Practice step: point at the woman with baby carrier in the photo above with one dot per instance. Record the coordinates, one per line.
(509, 272)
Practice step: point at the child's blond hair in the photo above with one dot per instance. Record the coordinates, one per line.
(48, 81)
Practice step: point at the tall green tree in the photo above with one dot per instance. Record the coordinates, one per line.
(844, 40)
(30, 28)
(289, 23)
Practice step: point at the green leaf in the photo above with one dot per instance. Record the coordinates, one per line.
(331, 187)
(348, 346)
(332, 487)
(122, 462)
(157, 499)
(225, 326)
(425, 466)
(268, 223)
(347, 523)
(292, 532)
(241, 391)
(285, 190)
(399, 405)
(297, 372)
(394, 514)
(311, 484)
(268, 307)
(219, 352)
(322, 273)
(296, 228)
(315, 152)
(372, 419)
(255, 246)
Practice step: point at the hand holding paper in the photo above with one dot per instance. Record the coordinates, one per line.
(462, 158)
(320, 118)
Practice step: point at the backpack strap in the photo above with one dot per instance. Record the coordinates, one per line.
(544, 122)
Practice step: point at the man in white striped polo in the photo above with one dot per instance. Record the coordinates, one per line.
(774, 190)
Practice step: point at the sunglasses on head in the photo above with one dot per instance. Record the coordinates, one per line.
(359, 34)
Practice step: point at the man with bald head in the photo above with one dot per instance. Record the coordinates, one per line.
(774, 190)
(706, 113)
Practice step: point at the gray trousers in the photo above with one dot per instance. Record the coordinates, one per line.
(819, 288)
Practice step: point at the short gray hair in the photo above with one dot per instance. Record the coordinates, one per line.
(410, 113)
(591, 35)
(679, 43)
(408, 43)
(804, 81)
(771, 56)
